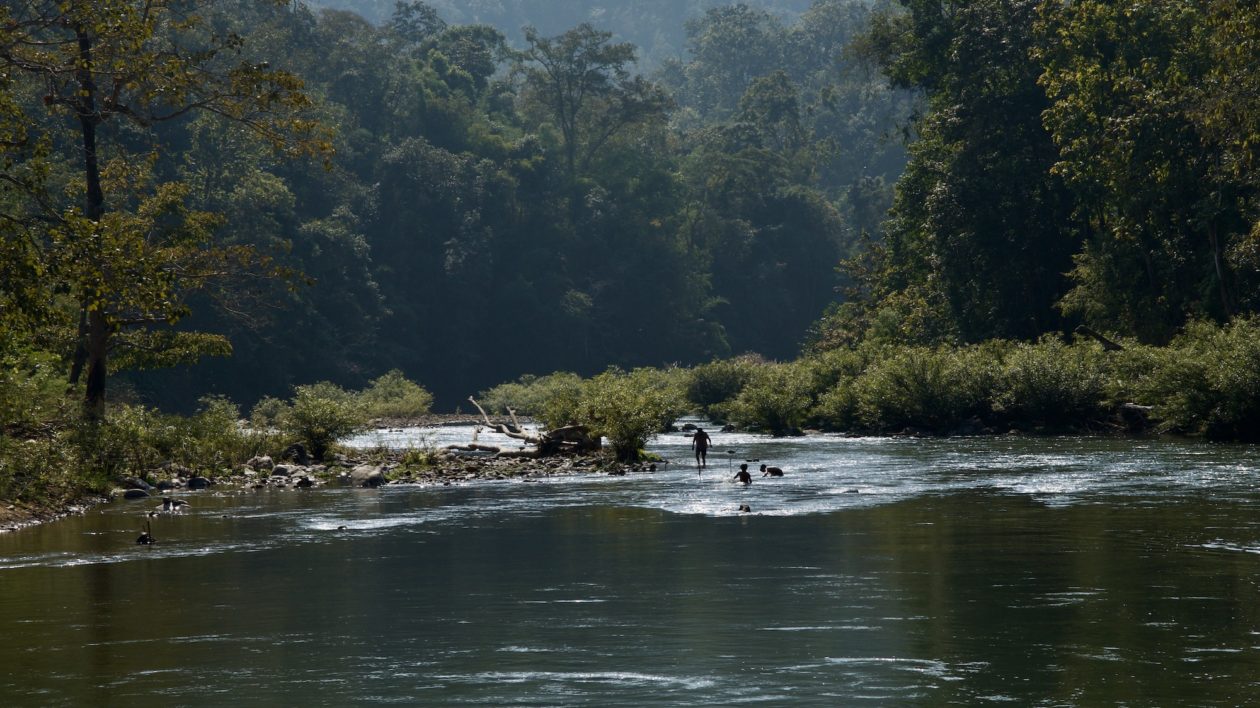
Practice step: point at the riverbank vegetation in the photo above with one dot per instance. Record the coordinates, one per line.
(1206, 382)
(868, 217)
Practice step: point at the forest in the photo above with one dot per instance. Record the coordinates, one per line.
(237, 198)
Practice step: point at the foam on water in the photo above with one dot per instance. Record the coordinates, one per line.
(824, 470)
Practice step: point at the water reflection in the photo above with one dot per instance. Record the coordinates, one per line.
(1038, 572)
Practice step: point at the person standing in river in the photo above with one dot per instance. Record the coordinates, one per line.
(742, 475)
(700, 441)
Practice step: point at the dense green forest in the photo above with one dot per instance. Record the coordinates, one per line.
(236, 197)
(483, 212)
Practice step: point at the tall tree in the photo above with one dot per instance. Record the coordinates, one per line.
(585, 82)
(981, 232)
(131, 249)
(1154, 115)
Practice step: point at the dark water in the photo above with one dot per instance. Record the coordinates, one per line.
(963, 572)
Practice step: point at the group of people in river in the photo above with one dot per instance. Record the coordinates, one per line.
(700, 442)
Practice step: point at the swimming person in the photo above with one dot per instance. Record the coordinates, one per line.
(771, 471)
(742, 475)
(701, 441)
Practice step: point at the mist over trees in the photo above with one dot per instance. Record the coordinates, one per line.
(655, 27)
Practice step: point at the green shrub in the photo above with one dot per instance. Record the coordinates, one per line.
(932, 389)
(1050, 383)
(266, 413)
(671, 383)
(130, 440)
(1207, 381)
(45, 471)
(550, 399)
(776, 400)
(393, 396)
(320, 415)
(214, 439)
(626, 410)
(837, 407)
(709, 386)
(32, 390)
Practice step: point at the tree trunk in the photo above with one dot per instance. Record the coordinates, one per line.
(98, 331)
(97, 347)
(1222, 285)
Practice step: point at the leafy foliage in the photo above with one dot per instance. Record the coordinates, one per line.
(627, 409)
(320, 414)
(552, 399)
(393, 396)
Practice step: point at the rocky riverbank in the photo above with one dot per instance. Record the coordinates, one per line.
(350, 468)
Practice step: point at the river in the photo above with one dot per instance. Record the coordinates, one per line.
(971, 571)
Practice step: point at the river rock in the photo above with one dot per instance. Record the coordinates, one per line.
(297, 453)
(281, 470)
(199, 483)
(135, 494)
(367, 476)
(165, 485)
(135, 483)
(261, 462)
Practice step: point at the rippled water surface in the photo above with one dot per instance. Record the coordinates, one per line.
(877, 571)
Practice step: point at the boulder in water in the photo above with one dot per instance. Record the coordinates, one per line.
(135, 483)
(367, 476)
(199, 483)
(135, 494)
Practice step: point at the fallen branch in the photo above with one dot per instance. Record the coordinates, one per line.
(570, 439)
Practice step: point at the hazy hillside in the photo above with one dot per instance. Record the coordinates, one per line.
(655, 26)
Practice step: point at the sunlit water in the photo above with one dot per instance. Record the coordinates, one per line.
(877, 571)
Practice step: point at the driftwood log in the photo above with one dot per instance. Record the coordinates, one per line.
(568, 440)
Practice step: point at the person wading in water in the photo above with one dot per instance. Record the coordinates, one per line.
(701, 441)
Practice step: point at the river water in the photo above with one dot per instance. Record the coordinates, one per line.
(975, 571)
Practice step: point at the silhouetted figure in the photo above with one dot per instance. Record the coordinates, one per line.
(742, 475)
(771, 471)
(745, 509)
(700, 441)
(146, 538)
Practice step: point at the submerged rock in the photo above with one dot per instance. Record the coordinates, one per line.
(135, 494)
(199, 483)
